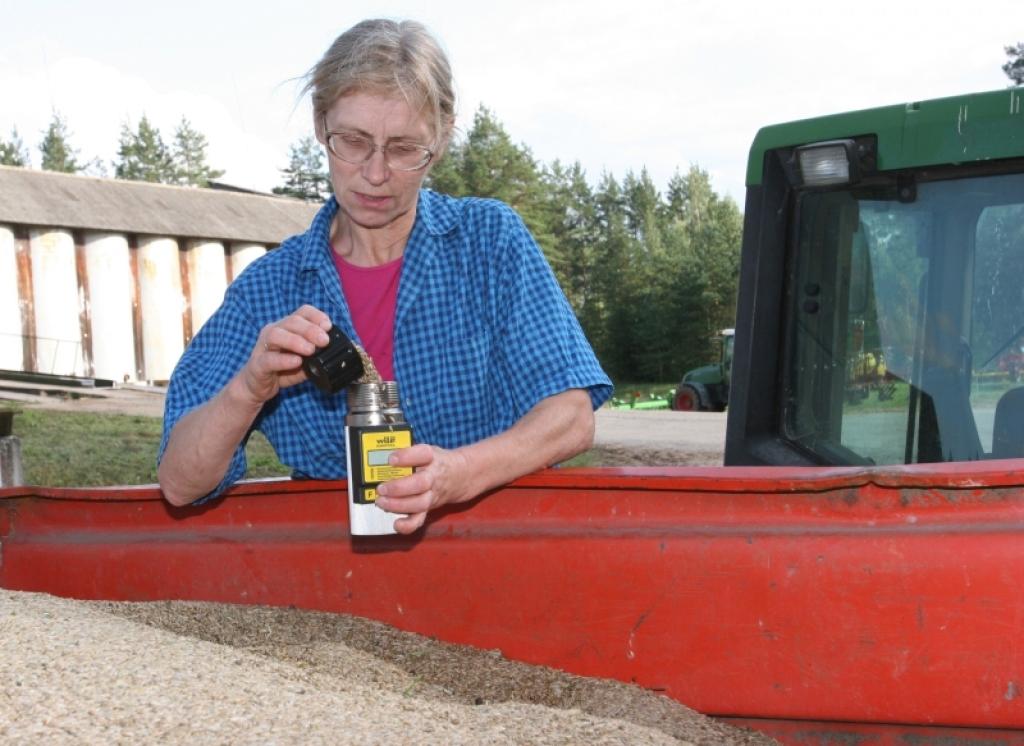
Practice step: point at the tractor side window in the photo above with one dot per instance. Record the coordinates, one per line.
(997, 326)
(859, 270)
(906, 330)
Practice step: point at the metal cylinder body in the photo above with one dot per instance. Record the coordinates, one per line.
(11, 474)
(11, 342)
(110, 293)
(207, 279)
(374, 427)
(162, 304)
(374, 404)
(56, 301)
(244, 254)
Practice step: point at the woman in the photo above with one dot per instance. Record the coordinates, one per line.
(450, 297)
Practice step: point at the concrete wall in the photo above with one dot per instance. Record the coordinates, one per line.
(108, 305)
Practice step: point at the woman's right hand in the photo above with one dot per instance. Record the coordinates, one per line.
(276, 359)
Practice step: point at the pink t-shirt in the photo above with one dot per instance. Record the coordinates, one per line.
(371, 293)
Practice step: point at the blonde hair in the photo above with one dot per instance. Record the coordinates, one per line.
(387, 57)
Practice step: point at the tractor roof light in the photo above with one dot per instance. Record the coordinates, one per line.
(828, 163)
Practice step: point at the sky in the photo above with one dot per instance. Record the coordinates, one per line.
(618, 86)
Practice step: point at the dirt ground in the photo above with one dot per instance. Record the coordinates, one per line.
(614, 454)
(660, 437)
(147, 401)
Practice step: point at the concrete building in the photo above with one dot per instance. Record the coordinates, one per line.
(111, 279)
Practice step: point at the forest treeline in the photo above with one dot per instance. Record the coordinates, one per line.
(651, 276)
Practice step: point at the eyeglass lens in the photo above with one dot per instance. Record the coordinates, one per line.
(400, 155)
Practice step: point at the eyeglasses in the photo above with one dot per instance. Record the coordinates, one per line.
(399, 155)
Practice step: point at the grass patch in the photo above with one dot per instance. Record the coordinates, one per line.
(587, 458)
(262, 461)
(83, 449)
(630, 394)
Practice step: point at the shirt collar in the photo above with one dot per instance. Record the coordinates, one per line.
(319, 235)
(439, 214)
(436, 213)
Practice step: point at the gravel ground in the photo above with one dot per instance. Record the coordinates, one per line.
(659, 437)
(187, 673)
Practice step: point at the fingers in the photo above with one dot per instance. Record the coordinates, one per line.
(411, 494)
(414, 507)
(440, 478)
(414, 456)
(410, 523)
(276, 358)
(315, 315)
(414, 494)
(298, 334)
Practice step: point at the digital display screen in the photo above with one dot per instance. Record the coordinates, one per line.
(378, 458)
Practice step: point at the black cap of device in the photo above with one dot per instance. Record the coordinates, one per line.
(335, 366)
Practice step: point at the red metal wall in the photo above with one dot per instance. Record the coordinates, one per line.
(884, 596)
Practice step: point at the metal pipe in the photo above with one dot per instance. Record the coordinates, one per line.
(11, 474)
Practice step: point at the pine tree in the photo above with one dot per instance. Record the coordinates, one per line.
(662, 274)
(190, 166)
(143, 156)
(445, 174)
(13, 152)
(493, 166)
(305, 177)
(58, 155)
(642, 204)
(708, 231)
(615, 282)
(1014, 68)
(570, 218)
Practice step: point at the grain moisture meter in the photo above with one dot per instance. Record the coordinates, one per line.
(375, 427)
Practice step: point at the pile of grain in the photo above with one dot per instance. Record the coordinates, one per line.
(177, 672)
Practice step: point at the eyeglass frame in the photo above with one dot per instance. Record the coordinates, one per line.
(374, 147)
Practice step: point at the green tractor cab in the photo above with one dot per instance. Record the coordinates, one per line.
(880, 314)
(707, 388)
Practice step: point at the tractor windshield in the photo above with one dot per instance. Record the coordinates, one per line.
(906, 321)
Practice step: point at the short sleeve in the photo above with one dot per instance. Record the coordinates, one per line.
(543, 348)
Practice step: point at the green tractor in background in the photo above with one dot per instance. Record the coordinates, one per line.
(707, 388)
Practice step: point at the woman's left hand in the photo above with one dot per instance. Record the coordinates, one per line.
(441, 477)
(555, 429)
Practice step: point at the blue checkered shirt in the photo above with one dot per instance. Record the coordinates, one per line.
(482, 334)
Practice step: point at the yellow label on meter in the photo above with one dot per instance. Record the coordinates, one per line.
(376, 447)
